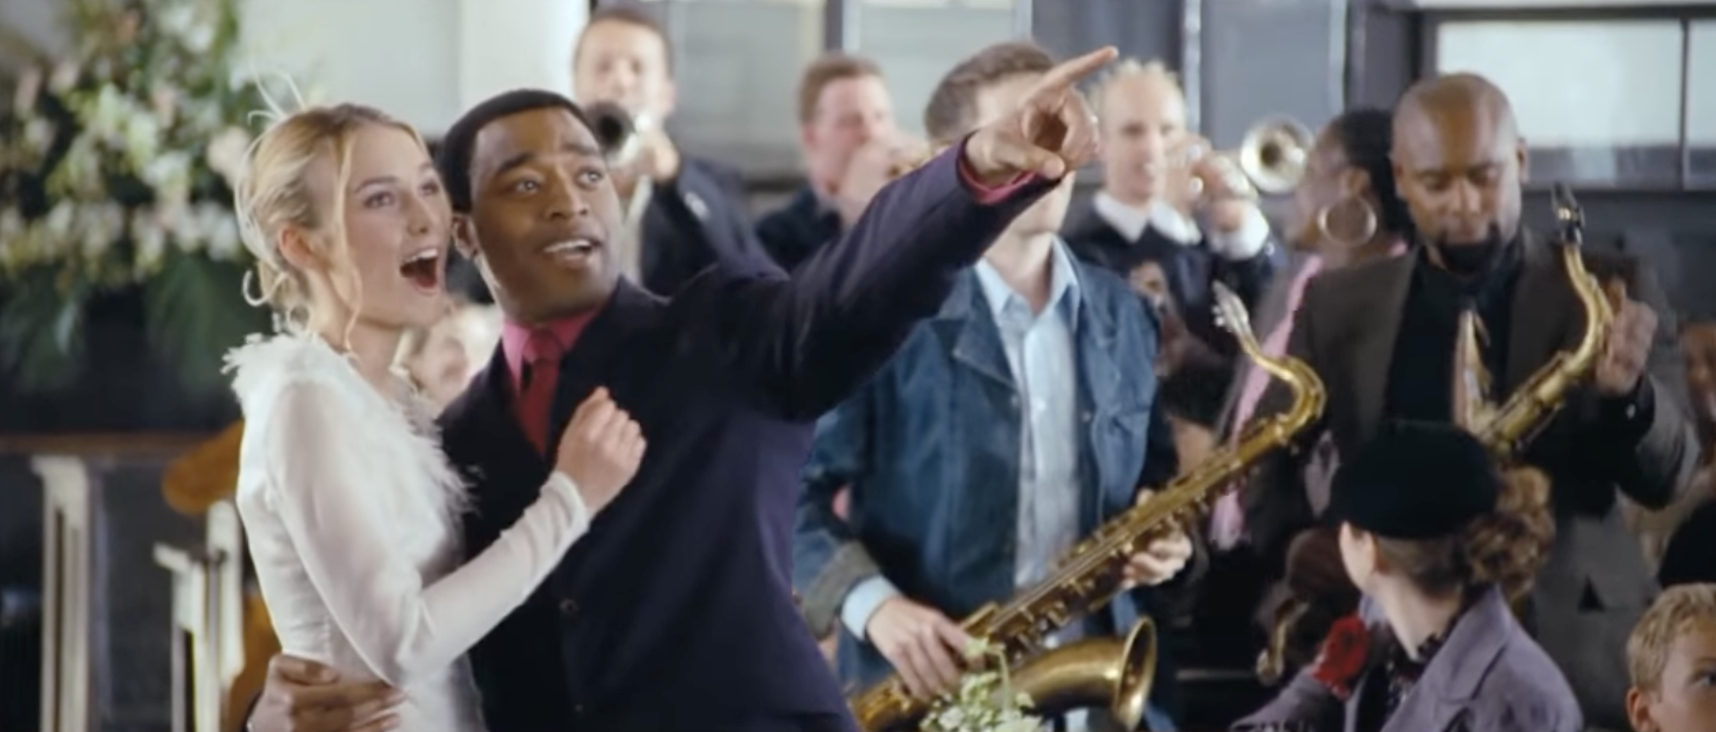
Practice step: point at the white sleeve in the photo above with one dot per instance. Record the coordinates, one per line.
(399, 627)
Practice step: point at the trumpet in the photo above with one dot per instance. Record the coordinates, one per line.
(618, 133)
(1271, 159)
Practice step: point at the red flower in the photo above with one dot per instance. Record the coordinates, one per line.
(1343, 656)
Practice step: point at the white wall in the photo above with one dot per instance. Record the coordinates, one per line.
(424, 61)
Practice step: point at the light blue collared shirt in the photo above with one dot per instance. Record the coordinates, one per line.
(1041, 350)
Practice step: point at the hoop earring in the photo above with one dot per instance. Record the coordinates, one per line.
(1368, 229)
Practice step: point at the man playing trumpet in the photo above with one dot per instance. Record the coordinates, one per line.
(1168, 199)
(682, 213)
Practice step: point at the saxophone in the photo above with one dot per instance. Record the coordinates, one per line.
(1115, 672)
(1507, 429)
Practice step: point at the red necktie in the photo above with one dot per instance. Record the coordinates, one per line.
(536, 397)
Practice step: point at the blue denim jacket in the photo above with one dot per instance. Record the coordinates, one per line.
(930, 449)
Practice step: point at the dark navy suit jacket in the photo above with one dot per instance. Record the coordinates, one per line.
(693, 221)
(676, 611)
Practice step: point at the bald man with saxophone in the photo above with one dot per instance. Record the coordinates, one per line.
(1382, 336)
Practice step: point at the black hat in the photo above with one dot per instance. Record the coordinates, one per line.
(1415, 481)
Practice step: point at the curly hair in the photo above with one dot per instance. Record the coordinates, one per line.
(1505, 547)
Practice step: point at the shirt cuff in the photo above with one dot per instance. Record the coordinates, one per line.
(1630, 416)
(985, 194)
(1245, 242)
(863, 601)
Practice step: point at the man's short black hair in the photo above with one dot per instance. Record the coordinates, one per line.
(457, 145)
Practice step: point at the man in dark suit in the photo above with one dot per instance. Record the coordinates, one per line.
(681, 213)
(676, 612)
(1381, 335)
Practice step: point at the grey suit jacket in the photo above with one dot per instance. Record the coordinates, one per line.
(1489, 677)
(1594, 586)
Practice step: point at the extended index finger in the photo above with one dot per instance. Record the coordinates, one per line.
(1070, 72)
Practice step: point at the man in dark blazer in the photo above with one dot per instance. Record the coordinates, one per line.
(1381, 336)
(681, 212)
(676, 611)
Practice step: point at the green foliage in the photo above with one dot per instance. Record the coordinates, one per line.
(115, 165)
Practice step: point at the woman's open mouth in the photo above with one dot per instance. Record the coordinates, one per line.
(424, 269)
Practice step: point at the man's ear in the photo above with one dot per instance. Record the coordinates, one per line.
(1638, 711)
(669, 99)
(464, 236)
(806, 135)
(1397, 170)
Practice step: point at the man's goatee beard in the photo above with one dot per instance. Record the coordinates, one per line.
(1470, 258)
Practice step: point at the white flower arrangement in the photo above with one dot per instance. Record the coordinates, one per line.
(115, 175)
(985, 700)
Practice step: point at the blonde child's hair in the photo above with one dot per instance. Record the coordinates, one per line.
(1675, 613)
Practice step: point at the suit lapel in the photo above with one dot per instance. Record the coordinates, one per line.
(589, 364)
(495, 420)
(1539, 312)
(1379, 311)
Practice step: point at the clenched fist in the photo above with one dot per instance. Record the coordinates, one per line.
(600, 450)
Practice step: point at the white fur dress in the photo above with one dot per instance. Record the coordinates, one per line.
(351, 512)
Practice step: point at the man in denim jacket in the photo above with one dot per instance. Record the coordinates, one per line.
(1005, 429)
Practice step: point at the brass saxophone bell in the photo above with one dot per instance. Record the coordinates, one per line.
(1110, 672)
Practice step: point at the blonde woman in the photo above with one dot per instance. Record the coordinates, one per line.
(350, 506)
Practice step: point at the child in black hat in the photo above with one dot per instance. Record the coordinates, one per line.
(1439, 542)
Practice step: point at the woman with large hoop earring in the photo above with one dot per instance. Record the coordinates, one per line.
(1346, 211)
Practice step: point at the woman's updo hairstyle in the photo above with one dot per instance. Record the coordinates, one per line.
(275, 191)
(1444, 516)
(1504, 547)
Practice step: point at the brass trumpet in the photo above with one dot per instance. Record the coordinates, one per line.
(618, 132)
(1271, 159)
